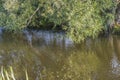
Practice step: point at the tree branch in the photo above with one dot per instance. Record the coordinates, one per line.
(29, 20)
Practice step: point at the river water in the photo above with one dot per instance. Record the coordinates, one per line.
(46, 55)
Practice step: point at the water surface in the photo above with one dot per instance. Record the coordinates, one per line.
(47, 55)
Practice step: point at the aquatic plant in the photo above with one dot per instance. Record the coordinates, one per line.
(8, 74)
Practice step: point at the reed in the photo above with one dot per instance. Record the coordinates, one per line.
(8, 74)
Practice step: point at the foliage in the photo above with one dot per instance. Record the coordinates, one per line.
(80, 18)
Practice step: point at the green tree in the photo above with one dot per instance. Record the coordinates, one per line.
(80, 18)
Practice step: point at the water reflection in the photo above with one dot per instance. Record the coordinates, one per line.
(52, 56)
(115, 65)
(47, 38)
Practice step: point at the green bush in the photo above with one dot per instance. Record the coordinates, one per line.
(80, 19)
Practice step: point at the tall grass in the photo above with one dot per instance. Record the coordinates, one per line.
(8, 74)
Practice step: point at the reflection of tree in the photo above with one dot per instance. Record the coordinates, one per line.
(116, 43)
(107, 50)
(40, 51)
(103, 49)
(76, 66)
(90, 59)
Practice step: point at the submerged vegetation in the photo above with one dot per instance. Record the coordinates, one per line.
(80, 19)
(75, 67)
(50, 58)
